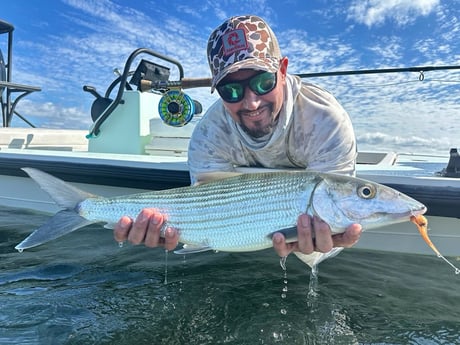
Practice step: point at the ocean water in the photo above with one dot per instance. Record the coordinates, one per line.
(85, 289)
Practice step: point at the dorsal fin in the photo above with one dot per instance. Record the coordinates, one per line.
(64, 194)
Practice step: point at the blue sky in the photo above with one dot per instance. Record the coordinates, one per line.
(62, 45)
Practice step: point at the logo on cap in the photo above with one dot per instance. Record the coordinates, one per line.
(234, 41)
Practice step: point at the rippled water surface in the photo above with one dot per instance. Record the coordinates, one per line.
(84, 289)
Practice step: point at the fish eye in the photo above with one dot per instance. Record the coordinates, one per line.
(366, 191)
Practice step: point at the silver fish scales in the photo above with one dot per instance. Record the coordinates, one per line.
(234, 214)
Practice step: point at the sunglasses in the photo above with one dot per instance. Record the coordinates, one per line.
(260, 84)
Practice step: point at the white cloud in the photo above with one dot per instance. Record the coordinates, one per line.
(402, 12)
(387, 110)
(388, 50)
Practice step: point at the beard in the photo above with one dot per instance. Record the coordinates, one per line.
(258, 131)
(259, 128)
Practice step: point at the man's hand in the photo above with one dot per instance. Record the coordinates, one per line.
(146, 229)
(323, 242)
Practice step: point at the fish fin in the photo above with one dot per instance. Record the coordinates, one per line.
(315, 258)
(290, 234)
(192, 249)
(64, 194)
(216, 175)
(61, 223)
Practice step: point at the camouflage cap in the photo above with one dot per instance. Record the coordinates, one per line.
(242, 42)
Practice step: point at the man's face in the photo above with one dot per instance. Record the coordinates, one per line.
(256, 114)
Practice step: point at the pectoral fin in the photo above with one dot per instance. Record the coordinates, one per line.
(192, 249)
(315, 258)
(290, 234)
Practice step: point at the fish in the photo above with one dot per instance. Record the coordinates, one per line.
(234, 214)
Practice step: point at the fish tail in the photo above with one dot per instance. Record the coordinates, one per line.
(67, 197)
(60, 224)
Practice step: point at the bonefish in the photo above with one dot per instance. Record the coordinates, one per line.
(235, 214)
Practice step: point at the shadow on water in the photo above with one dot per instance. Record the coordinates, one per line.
(84, 289)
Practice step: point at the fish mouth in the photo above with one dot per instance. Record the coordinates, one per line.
(422, 210)
(409, 213)
(401, 215)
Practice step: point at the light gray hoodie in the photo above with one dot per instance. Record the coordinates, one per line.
(313, 132)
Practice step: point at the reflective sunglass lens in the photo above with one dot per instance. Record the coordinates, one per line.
(231, 92)
(263, 83)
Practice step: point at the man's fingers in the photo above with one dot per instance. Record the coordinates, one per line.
(304, 234)
(281, 247)
(152, 236)
(171, 238)
(121, 230)
(323, 235)
(139, 228)
(349, 237)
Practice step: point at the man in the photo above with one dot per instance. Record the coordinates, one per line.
(265, 118)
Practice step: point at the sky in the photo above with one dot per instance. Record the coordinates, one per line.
(61, 45)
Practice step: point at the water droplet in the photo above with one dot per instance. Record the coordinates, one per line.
(283, 262)
(278, 336)
(283, 311)
(20, 250)
(166, 267)
(285, 280)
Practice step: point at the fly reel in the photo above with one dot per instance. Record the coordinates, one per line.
(176, 108)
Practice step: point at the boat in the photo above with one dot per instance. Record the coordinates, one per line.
(138, 142)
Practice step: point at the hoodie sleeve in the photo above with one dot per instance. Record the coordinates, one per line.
(322, 137)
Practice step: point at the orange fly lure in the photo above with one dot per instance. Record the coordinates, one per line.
(422, 225)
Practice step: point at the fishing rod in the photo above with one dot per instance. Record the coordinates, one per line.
(419, 69)
(187, 83)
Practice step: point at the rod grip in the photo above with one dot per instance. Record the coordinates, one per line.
(188, 83)
(185, 83)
